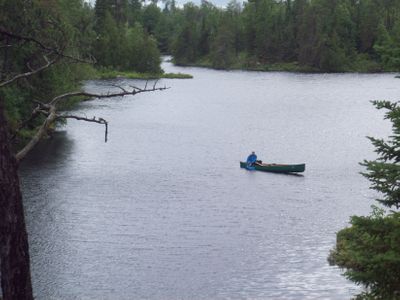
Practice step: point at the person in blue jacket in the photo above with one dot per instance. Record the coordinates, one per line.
(251, 160)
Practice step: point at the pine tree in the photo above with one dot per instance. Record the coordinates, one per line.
(369, 249)
(223, 51)
(388, 47)
(384, 173)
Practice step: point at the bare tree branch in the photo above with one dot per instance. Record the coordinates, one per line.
(93, 120)
(50, 111)
(42, 131)
(120, 87)
(155, 83)
(134, 91)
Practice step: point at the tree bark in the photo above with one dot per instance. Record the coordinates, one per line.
(14, 250)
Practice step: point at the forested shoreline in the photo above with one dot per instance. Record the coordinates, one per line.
(302, 35)
(127, 37)
(48, 48)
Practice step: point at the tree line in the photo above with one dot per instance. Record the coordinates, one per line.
(121, 40)
(313, 35)
(129, 35)
(48, 47)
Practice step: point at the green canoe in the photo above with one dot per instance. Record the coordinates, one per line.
(276, 168)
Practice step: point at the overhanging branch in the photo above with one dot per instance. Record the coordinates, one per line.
(93, 120)
(134, 91)
(42, 131)
(50, 111)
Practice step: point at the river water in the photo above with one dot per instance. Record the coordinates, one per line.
(163, 211)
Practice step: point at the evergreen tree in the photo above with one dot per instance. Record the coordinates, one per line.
(134, 12)
(115, 46)
(223, 51)
(151, 17)
(108, 46)
(388, 47)
(185, 46)
(322, 35)
(369, 249)
(368, 18)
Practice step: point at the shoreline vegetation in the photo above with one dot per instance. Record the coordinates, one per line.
(321, 36)
(113, 74)
(360, 66)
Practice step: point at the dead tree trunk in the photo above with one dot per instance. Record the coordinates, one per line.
(14, 252)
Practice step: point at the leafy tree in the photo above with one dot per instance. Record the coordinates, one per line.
(151, 17)
(143, 54)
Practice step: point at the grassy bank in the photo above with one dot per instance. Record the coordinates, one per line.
(111, 74)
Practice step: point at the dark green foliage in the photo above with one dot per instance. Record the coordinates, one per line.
(185, 47)
(388, 47)
(223, 51)
(369, 249)
(108, 32)
(321, 35)
(144, 55)
(151, 16)
(384, 173)
(117, 8)
(124, 45)
(61, 24)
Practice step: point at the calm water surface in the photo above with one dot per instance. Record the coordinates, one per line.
(163, 211)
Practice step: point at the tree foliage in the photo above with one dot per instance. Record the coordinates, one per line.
(369, 249)
(321, 35)
(62, 25)
(125, 45)
(111, 32)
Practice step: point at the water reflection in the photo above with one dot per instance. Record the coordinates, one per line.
(50, 152)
